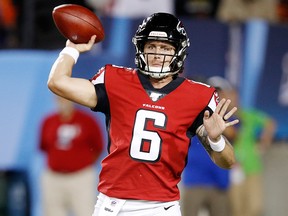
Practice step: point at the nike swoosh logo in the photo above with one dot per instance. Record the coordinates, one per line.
(166, 208)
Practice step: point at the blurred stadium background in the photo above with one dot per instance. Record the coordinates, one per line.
(252, 55)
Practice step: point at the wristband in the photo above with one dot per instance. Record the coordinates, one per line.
(217, 146)
(74, 53)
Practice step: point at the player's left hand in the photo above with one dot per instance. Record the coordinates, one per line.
(217, 122)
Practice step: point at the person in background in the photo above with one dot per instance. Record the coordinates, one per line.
(204, 184)
(141, 8)
(8, 24)
(197, 9)
(282, 11)
(72, 142)
(151, 115)
(246, 191)
(239, 11)
(255, 134)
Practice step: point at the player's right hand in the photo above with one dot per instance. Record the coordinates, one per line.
(84, 47)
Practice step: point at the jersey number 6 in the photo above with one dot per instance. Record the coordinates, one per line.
(141, 136)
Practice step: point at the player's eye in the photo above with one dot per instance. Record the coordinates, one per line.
(150, 47)
(167, 49)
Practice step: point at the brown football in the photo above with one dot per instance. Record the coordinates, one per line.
(77, 23)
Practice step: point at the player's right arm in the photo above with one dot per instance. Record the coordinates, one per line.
(62, 83)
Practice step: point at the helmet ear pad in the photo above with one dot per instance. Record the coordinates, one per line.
(166, 28)
(178, 61)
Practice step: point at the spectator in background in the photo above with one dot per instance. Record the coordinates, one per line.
(204, 184)
(134, 8)
(197, 8)
(72, 141)
(243, 10)
(100, 7)
(282, 11)
(254, 135)
(8, 22)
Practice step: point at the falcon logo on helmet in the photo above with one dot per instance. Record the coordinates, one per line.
(161, 27)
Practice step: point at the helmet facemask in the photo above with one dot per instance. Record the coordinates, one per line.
(164, 60)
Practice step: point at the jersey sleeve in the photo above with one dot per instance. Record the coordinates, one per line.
(210, 107)
(214, 101)
(98, 81)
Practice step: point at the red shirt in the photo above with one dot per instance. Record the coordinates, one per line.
(149, 132)
(71, 145)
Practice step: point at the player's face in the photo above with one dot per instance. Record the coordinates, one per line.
(158, 53)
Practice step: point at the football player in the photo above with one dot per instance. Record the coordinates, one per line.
(151, 114)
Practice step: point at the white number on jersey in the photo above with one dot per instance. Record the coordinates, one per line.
(141, 135)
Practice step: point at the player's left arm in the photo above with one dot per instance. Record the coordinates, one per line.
(211, 134)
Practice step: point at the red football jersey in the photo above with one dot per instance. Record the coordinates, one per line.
(149, 132)
(73, 144)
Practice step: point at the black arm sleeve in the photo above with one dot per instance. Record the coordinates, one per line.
(102, 99)
(199, 121)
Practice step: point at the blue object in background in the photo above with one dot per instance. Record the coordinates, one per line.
(18, 195)
(254, 53)
(15, 195)
(202, 171)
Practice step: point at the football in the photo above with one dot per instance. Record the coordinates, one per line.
(77, 23)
